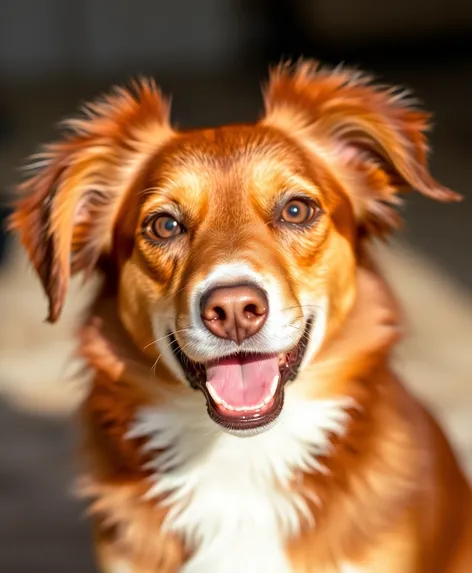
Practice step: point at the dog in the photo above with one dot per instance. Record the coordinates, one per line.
(243, 413)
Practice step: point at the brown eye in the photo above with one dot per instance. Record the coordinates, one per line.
(163, 227)
(298, 212)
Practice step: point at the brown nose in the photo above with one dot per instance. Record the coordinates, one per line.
(234, 312)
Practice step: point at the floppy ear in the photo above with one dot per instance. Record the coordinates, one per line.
(372, 136)
(65, 219)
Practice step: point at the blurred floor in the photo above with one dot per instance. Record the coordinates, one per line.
(40, 526)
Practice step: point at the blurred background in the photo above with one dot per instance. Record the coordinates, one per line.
(212, 55)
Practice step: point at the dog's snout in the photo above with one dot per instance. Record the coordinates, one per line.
(234, 312)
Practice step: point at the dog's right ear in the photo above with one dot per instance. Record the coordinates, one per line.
(65, 217)
(373, 137)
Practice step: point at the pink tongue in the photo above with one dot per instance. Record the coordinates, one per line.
(243, 381)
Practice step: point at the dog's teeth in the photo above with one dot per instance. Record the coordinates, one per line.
(226, 406)
(243, 408)
(214, 395)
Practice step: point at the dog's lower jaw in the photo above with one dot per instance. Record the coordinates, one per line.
(251, 432)
(250, 429)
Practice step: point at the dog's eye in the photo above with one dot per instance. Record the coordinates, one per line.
(298, 212)
(163, 227)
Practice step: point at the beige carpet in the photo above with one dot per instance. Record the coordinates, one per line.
(37, 371)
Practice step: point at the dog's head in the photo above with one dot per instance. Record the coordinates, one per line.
(234, 249)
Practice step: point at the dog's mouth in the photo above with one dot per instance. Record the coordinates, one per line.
(246, 390)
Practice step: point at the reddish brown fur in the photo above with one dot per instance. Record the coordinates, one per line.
(353, 148)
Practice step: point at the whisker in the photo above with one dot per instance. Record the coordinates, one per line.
(300, 306)
(303, 334)
(295, 320)
(153, 367)
(184, 356)
(295, 328)
(165, 336)
(181, 349)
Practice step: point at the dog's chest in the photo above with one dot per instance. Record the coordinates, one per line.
(232, 499)
(232, 518)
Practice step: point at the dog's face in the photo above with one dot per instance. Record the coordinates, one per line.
(234, 248)
(244, 247)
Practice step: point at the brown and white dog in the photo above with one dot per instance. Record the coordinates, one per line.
(243, 416)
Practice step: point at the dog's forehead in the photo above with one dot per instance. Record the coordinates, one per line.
(211, 156)
(231, 142)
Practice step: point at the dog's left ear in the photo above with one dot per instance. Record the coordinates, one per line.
(65, 219)
(373, 137)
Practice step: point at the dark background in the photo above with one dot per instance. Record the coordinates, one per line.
(212, 55)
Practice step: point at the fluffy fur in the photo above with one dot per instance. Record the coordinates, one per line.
(354, 475)
(200, 472)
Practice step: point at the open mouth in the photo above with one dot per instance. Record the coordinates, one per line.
(244, 391)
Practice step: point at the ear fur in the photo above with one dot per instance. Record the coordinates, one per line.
(373, 136)
(66, 215)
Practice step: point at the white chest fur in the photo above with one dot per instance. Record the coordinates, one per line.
(229, 496)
